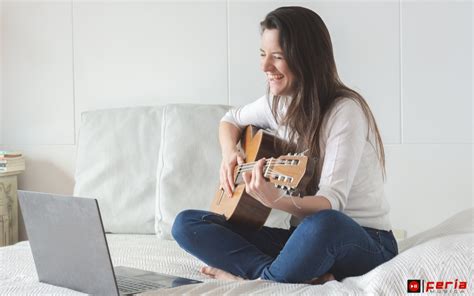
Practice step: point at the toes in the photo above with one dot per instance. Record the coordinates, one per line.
(322, 279)
(217, 273)
(208, 271)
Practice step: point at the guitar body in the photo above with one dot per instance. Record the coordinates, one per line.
(241, 208)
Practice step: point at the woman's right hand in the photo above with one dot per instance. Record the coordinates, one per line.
(229, 161)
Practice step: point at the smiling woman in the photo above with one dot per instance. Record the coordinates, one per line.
(340, 227)
(280, 78)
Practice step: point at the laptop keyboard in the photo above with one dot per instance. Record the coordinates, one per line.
(131, 285)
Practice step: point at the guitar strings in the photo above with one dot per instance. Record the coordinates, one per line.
(270, 171)
(258, 197)
(267, 167)
(268, 160)
(271, 161)
(275, 162)
(294, 203)
(267, 170)
(277, 199)
(249, 168)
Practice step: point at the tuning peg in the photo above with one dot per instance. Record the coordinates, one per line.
(303, 152)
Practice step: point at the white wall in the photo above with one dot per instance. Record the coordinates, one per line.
(1, 75)
(416, 75)
(472, 95)
(435, 178)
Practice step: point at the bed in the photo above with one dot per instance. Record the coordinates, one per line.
(443, 253)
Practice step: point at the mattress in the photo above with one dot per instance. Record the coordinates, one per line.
(443, 253)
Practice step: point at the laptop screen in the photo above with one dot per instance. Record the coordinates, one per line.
(68, 242)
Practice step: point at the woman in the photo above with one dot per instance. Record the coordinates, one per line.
(341, 227)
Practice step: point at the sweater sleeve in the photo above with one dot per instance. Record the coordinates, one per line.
(346, 137)
(257, 113)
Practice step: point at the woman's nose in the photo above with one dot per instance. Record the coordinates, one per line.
(266, 64)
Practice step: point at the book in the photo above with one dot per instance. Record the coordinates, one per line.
(11, 165)
(12, 169)
(9, 154)
(12, 161)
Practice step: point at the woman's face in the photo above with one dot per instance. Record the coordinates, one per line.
(274, 65)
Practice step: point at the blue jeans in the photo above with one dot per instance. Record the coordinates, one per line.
(328, 241)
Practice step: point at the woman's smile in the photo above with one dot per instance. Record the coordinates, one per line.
(274, 64)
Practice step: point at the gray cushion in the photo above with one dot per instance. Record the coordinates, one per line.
(116, 163)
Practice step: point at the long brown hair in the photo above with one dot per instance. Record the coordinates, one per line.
(307, 48)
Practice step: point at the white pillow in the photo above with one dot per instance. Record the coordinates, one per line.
(116, 163)
(460, 223)
(188, 164)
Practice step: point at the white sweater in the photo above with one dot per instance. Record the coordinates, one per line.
(351, 175)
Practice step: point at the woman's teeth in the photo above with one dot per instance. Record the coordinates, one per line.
(275, 77)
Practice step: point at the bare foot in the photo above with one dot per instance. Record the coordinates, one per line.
(216, 273)
(322, 279)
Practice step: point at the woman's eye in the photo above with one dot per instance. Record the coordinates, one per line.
(278, 57)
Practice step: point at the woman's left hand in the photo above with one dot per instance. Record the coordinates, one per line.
(259, 188)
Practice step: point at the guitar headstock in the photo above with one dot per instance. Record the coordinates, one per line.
(286, 171)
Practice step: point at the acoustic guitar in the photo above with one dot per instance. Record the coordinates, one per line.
(289, 172)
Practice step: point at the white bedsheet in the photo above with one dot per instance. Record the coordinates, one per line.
(443, 253)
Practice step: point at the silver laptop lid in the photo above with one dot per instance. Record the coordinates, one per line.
(68, 242)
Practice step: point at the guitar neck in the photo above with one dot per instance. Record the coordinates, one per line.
(268, 170)
(247, 167)
(284, 172)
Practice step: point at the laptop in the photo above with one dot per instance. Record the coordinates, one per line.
(70, 249)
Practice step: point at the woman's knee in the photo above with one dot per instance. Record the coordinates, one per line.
(325, 222)
(323, 216)
(183, 224)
